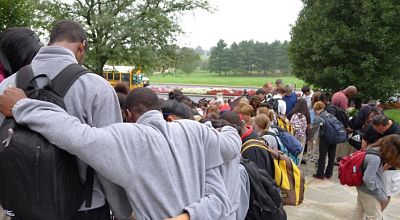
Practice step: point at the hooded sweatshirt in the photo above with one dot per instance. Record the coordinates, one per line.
(93, 101)
(373, 180)
(165, 168)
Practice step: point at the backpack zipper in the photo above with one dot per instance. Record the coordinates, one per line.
(37, 164)
(7, 140)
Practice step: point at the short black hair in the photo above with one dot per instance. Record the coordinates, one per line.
(232, 118)
(121, 88)
(305, 89)
(261, 91)
(18, 46)
(69, 31)
(380, 120)
(176, 94)
(142, 100)
(171, 107)
(324, 97)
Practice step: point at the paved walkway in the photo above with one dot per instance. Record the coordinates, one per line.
(329, 200)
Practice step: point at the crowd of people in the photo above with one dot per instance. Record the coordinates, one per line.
(176, 158)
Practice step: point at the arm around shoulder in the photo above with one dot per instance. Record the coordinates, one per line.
(227, 141)
(215, 204)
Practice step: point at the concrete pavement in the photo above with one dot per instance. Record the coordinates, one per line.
(329, 200)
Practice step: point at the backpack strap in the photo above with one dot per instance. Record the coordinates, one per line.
(88, 191)
(254, 143)
(24, 77)
(60, 85)
(374, 151)
(271, 133)
(66, 78)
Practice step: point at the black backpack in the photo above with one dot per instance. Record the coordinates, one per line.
(39, 181)
(262, 158)
(355, 139)
(274, 104)
(265, 196)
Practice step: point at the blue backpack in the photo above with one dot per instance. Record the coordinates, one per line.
(282, 147)
(334, 131)
(290, 142)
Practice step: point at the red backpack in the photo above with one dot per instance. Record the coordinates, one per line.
(351, 167)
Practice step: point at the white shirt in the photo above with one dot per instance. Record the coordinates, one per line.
(281, 105)
(308, 99)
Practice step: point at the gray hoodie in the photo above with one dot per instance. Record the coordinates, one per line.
(237, 183)
(373, 181)
(94, 102)
(165, 168)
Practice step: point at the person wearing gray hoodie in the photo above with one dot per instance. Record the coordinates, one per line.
(233, 173)
(165, 168)
(92, 100)
(372, 198)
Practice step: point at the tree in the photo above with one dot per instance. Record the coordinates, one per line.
(166, 58)
(15, 13)
(187, 60)
(219, 58)
(247, 56)
(120, 29)
(339, 43)
(199, 50)
(234, 58)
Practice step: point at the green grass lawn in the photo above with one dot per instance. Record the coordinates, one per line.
(206, 78)
(393, 114)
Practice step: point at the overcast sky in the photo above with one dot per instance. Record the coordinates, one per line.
(237, 20)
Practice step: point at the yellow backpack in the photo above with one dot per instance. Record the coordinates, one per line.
(288, 176)
(284, 123)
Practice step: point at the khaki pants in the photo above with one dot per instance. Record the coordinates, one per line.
(368, 207)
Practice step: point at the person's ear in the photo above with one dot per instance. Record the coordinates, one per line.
(82, 47)
(170, 118)
(128, 115)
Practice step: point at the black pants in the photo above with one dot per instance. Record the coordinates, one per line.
(324, 149)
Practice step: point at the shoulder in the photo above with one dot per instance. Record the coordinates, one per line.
(92, 78)
(10, 81)
(339, 93)
(372, 157)
(92, 83)
(395, 128)
(398, 129)
(191, 126)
